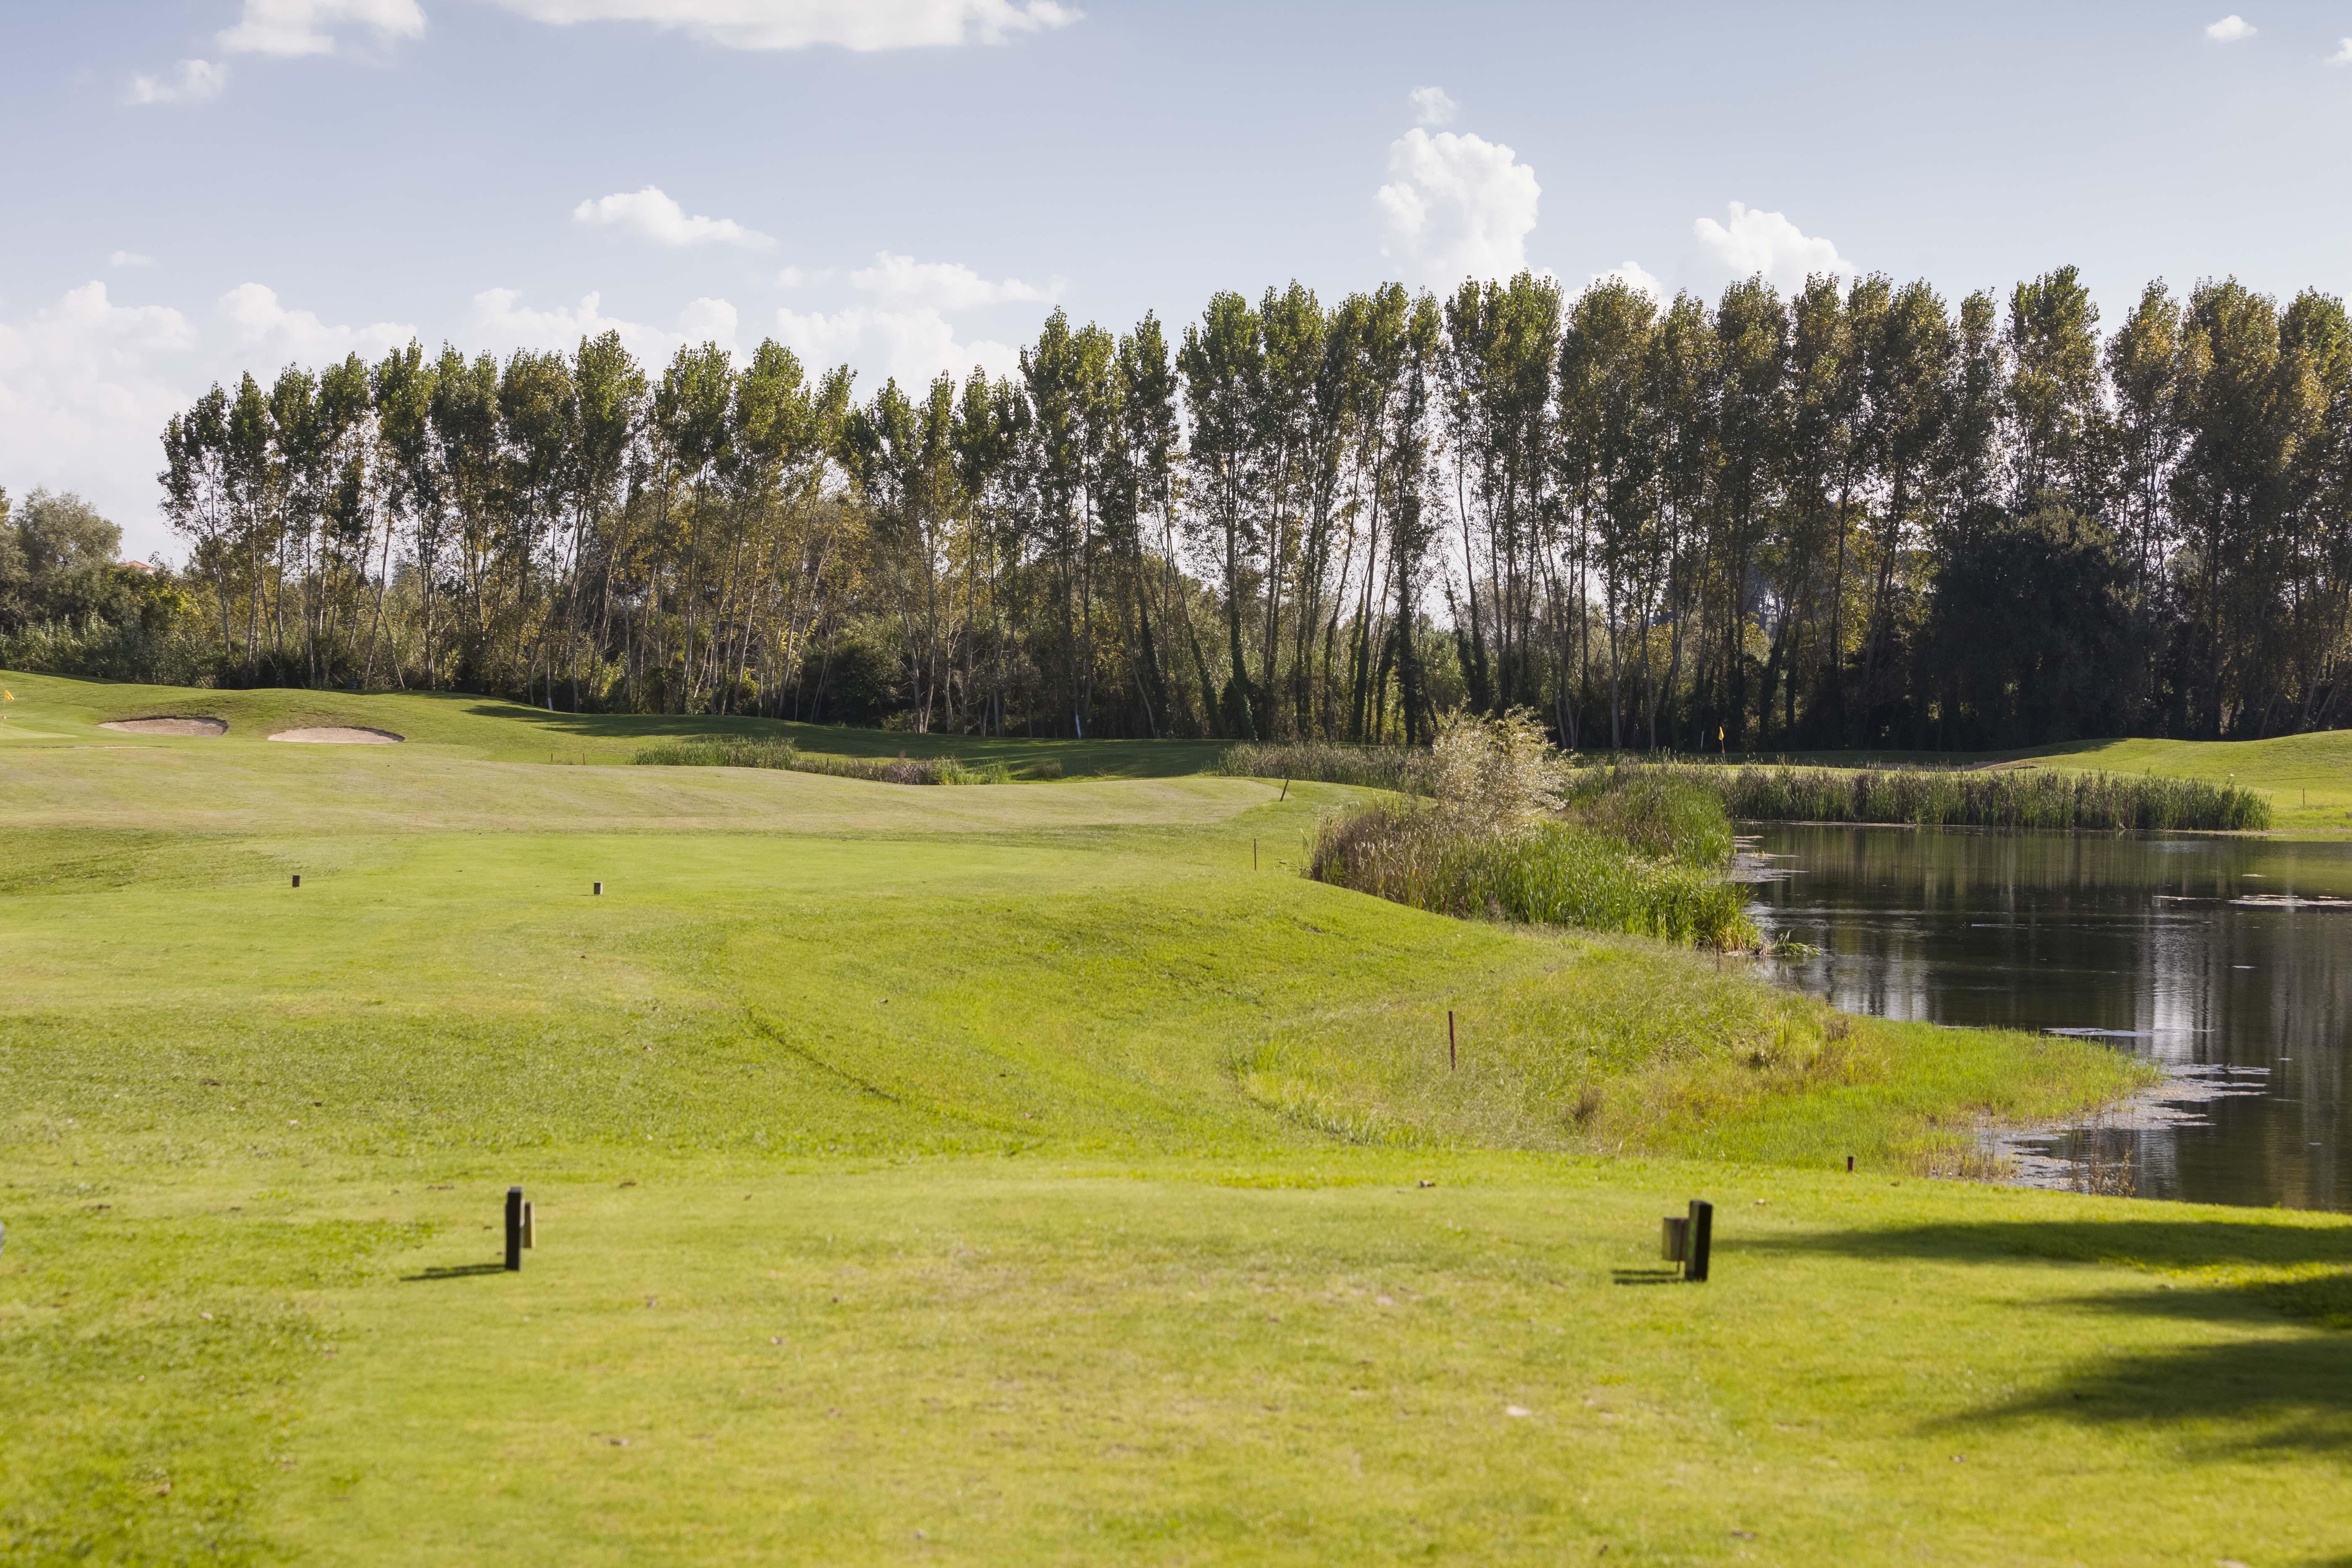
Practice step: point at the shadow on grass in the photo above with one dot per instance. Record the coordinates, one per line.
(461, 1271)
(1645, 1276)
(2254, 1275)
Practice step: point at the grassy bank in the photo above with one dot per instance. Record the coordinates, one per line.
(1013, 1174)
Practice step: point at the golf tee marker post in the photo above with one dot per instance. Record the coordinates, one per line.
(514, 1229)
(1696, 1240)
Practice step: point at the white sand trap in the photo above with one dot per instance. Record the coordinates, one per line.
(340, 735)
(168, 726)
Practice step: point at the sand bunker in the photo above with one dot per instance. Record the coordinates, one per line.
(338, 735)
(168, 726)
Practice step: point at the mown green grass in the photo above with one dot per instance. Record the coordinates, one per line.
(969, 1175)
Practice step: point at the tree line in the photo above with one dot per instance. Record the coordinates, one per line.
(1853, 515)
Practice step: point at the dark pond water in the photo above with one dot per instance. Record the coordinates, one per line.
(2218, 957)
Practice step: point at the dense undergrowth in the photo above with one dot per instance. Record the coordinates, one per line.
(769, 753)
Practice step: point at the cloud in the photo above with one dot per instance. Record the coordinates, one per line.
(941, 285)
(660, 219)
(506, 323)
(267, 335)
(2343, 54)
(130, 258)
(859, 25)
(1768, 243)
(1431, 106)
(2230, 29)
(194, 82)
(1635, 276)
(1456, 206)
(294, 27)
(911, 346)
(85, 387)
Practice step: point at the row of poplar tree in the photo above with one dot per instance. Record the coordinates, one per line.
(1853, 516)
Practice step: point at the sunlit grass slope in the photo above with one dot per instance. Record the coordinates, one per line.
(1015, 1174)
(49, 710)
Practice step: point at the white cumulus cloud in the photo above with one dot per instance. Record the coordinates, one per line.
(1456, 206)
(2343, 54)
(292, 28)
(2230, 29)
(1755, 241)
(501, 320)
(1634, 276)
(801, 23)
(85, 387)
(941, 285)
(268, 335)
(911, 346)
(1433, 106)
(192, 82)
(658, 217)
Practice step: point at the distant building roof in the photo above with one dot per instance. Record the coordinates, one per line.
(138, 565)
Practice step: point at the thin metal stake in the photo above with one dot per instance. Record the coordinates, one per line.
(1453, 1056)
(1253, 854)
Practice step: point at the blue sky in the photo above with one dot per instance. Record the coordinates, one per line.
(196, 188)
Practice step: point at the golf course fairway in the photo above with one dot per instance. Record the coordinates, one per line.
(1041, 1172)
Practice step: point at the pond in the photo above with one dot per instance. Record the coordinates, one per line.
(2227, 960)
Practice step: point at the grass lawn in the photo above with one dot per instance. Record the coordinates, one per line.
(1013, 1174)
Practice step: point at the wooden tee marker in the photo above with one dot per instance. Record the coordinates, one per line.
(515, 1207)
(596, 890)
(298, 878)
(1688, 1238)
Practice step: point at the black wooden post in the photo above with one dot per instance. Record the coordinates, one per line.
(1694, 1244)
(597, 888)
(298, 878)
(514, 1229)
(1453, 1056)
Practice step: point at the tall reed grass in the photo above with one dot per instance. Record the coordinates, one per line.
(2003, 798)
(1405, 769)
(1548, 873)
(765, 753)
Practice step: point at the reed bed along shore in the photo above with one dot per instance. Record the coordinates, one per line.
(1915, 797)
(2025, 798)
(756, 753)
(1554, 873)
